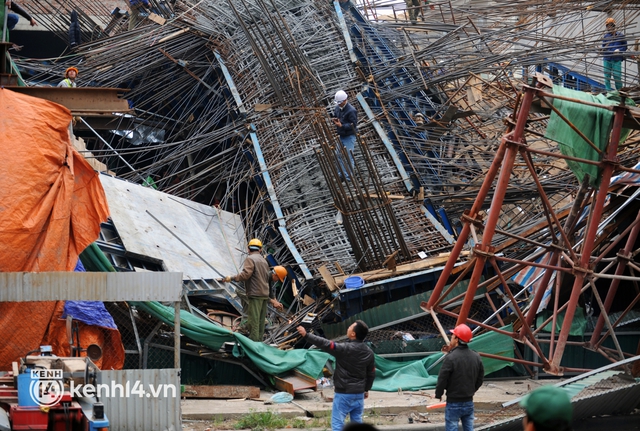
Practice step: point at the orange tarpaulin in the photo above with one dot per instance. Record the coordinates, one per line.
(51, 207)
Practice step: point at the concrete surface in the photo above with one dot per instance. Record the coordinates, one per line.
(392, 405)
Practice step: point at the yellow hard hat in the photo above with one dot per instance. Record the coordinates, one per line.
(610, 21)
(255, 244)
(281, 272)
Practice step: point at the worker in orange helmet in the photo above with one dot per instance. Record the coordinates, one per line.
(614, 43)
(278, 275)
(70, 76)
(461, 375)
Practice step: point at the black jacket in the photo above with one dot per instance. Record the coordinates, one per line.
(461, 375)
(75, 37)
(348, 117)
(15, 7)
(355, 364)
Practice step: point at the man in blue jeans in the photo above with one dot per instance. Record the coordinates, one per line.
(613, 45)
(345, 118)
(354, 374)
(461, 375)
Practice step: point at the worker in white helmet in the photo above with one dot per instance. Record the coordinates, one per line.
(345, 118)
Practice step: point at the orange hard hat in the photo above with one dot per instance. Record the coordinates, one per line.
(66, 72)
(281, 272)
(610, 21)
(463, 332)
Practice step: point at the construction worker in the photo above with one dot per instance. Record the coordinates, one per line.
(13, 18)
(547, 408)
(461, 375)
(413, 10)
(278, 275)
(256, 276)
(70, 76)
(614, 44)
(354, 373)
(345, 118)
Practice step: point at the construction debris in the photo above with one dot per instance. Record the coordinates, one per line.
(230, 105)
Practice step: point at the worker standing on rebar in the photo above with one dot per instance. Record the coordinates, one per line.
(345, 118)
(70, 76)
(547, 408)
(354, 373)
(614, 44)
(256, 276)
(135, 6)
(413, 8)
(461, 375)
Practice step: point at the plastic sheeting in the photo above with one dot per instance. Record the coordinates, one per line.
(52, 202)
(51, 207)
(266, 358)
(413, 376)
(595, 123)
(390, 376)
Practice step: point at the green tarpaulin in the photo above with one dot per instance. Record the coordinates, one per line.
(412, 376)
(390, 376)
(594, 123)
(266, 358)
(578, 324)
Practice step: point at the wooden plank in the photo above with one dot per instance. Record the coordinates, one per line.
(284, 385)
(157, 18)
(400, 269)
(328, 278)
(220, 391)
(295, 382)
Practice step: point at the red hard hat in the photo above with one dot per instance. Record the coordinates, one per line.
(462, 332)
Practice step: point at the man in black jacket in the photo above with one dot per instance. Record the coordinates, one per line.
(345, 118)
(354, 374)
(12, 18)
(461, 375)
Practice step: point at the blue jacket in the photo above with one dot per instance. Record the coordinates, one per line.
(139, 2)
(348, 117)
(610, 43)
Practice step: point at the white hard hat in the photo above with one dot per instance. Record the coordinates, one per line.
(341, 96)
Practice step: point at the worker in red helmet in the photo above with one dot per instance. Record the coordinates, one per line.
(461, 375)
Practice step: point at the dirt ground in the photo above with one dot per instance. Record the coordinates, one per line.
(302, 422)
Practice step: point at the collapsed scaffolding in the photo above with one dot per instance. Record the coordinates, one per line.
(230, 107)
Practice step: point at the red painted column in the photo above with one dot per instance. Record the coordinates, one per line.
(509, 141)
(613, 288)
(590, 237)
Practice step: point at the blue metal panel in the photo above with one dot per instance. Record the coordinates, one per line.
(276, 205)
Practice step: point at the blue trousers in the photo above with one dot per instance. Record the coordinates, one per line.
(455, 412)
(349, 143)
(343, 405)
(12, 21)
(612, 68)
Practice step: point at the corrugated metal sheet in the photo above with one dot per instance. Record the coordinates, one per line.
(90, 286)
(158, 408)
(605, 393)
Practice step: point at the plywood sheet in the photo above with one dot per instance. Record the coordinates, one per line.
(186, 236)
